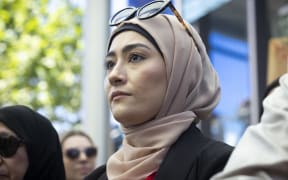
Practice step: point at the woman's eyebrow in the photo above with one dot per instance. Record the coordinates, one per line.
(128, 48)
(111, 54)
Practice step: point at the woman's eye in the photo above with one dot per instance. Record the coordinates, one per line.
(135, 58)
(109, 65)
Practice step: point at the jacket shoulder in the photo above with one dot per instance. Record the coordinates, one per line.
(212, 159)
(194, 156)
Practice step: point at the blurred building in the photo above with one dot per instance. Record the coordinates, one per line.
(243, 39)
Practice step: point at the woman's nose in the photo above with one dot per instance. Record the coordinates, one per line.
(117, 76)
(83, 156)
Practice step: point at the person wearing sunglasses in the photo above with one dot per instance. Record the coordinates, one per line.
(29, 146)
(159, 84)
(79, 154)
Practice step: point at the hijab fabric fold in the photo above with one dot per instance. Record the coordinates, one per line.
(192, 93)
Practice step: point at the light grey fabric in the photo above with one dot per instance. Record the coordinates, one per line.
(262, 153)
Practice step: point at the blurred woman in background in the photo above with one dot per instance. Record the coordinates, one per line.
(79, 154)
(29, 146)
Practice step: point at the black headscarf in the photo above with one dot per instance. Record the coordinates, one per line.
(41, 140)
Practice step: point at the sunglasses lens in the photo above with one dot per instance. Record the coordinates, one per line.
(151, 9)
(122, 16)
(73, 153)
(8, 146)
(91, 152)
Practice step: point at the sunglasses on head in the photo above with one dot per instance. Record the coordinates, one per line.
(147, 11)
(9, 146)
(74, 153)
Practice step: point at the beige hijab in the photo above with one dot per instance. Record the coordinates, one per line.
(193, 91)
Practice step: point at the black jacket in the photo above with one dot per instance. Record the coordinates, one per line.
(192, 157)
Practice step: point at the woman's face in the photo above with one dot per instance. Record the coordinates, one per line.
(77, 168)
(136, 80)
(15, 167)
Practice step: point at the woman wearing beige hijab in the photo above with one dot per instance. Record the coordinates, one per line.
(159, 83)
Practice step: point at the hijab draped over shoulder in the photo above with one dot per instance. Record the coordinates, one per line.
(41, 141)
(192, 93)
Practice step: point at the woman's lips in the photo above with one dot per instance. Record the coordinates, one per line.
(4, 176)
(3, 173)
(118, 94)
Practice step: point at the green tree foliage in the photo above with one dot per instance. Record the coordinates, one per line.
(40, 53)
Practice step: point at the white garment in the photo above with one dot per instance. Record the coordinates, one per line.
(262, 152)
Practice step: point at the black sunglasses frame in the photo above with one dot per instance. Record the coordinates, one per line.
(137, 12)
(74, 153)
(9, 146)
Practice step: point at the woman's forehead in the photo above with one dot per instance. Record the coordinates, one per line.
(130, 36)
(76, 140)
(127, 38)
